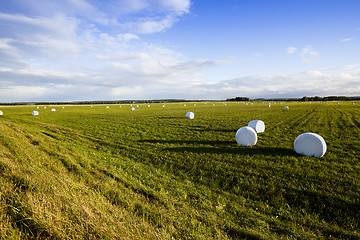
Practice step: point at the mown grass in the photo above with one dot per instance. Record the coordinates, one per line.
(97, 173)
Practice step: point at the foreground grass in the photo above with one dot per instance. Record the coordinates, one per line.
(97, 173)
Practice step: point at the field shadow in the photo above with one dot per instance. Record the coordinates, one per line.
(226, 147)
(170, 117)
(183, 142)
(268, 151)
(212, 130)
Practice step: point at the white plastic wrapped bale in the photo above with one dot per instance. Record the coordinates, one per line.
(148, 105)
(286, 107)
(190, 115)
(132, 109)
(1, 113)
(35, 113)
(107, 106)
(310, 144)
(257, 125)
(246, 136)
(53, 109)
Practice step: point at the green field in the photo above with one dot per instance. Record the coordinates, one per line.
(95, 173)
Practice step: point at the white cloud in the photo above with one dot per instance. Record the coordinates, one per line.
(290, 50)
(149, 25)
(309, 55)
(21, 93)
(178, 6)
(347, 39)
(126, 92)
(165, 14)
(174, 81)
(127, 37)
(7, 49)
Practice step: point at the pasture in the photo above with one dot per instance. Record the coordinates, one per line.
(84, 172)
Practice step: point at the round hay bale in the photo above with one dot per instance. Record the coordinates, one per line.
(133, 109)
(53, 109)
(190, 115)
(310, 144)
(1, 113)
(246, 136)
(286, 107)
(37, 107)
(257, 125)
(269, 105)
(107, 106)
(35, 113)
(163, 105)
(148, 105)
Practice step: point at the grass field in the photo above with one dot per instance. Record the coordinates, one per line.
(95, 173)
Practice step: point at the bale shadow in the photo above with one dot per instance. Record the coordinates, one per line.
(266, 151)
(184, 142)
(213, 130)
(222, 147)
(170, 117)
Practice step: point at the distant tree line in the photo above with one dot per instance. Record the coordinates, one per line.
(316, 98)
(330, 98)
(238, 99)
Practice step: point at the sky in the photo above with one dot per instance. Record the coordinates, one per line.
(79, 50)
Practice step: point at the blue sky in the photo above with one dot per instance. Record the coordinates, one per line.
(71, 50)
